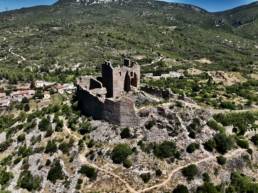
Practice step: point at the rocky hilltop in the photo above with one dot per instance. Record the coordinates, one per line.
(197, 98)
(87, 2)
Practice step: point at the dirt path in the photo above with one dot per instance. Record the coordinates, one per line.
(210, 158)
(167, 180)
(129, 188)
(17, 55)
(154, 61)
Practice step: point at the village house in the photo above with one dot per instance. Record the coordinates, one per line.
(5, 101)
(65, 88)
(23, 86)
(42, 84)
(17, 96)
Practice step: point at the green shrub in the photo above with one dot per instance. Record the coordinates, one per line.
(6, 161)
(194, 127)
(192, 147)
(17, 160)
(51, 147)
(120, 153)
(207, 188)
(125, 133)
(158, 172)
(206, 177)
(49, 132)
(242, 183)
(26, 107)
(59, 125)
(221, 160)
(5, 176)
(166, 149)
(28, 181)
(209, 145)
(241, 121)
(64, 147)
(150, 124)
(145, 177)
(181, 189)
(5, 145)
(127, 163)
(85, 128)
(44, 124)
(254, 139)
(56, 172)
(24, 151)
(88, 171)
(190, 171)
(242, 143)
(21, 138)
(216, 126)
(223, 143)
(228, 105)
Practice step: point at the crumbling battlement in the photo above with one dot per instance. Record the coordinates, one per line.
(120, 79)
(159, 92)
(105, 97)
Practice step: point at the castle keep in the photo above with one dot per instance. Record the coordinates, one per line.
(106, 98)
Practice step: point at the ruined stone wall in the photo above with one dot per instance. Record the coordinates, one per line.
(125, 77)
(107, 78)
(121, 112)
(163, 93)
(120, 79)
(89, 104)
(128, 115)
(103, 98)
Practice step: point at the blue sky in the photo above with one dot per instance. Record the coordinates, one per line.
(210, 5)
(16, 4)
(215, 5)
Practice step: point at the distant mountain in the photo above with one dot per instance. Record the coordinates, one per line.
(244, 19)
(71, 32)
(86, 2)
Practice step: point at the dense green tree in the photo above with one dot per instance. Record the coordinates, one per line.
(190, 171)
(254, 139)
(165, 150)
(120, 153)
(125, 133)
(243, 184)
(221, 160)
(207, 188)
(56, 172)
(88, 171)
(181, 189)
(44, 124)
(5, 176)
(209, 145)
(51, 147)
(28, 181)
(192, 147)
(145, 177)
(223, 143)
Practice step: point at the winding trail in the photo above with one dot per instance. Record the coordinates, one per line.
(128, 186)
(167, 180)
(17, 55)
(154, 61)
(210, 158)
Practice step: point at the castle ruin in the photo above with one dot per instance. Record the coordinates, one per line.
(105, 97)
